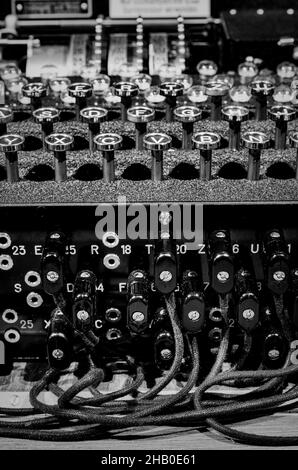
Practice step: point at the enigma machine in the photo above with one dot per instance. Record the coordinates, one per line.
(148, 216)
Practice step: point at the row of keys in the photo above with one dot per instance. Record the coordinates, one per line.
(167, 94)
(142, 115)
(156, 142)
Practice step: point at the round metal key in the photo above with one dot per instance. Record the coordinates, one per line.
(235, 115)
(35, 91)
(140, 116)
(6, 115)
(46, 118)
(93, 115)
(157, 143)
(281, 115)
(126, 91)
(255, 142)
(10, 144)
(80, 91)
(206, 142)
(171, 90)
(59, 144)
(107, 144)
(187, 115)
(261, 90)
(216, 89)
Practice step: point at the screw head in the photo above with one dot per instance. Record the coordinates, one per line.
(273, 354)
(58, 354)
(220, 235)
(139, 275)
(279, 276)
(275, 235)
(166, 276)
(248, 314)
(194, 315)
(85, 275)
(55, 236)
(223, 276)
(138, 317)
(82, 315)
(52, 276)
(296, 272)
(166, 354)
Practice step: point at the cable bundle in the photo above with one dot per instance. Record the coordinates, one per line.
(104, 415)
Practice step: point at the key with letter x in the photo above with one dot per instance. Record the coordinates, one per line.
(59, 144)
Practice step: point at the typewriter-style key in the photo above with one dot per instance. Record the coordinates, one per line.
(187, 115)
(140, 115)
(255, 142)
(6, 116)
(157, 143)
(207, 69)
(80, 92)
(46, 117)
(35, 91)
(206, 142)
(93, 116)
(59, 144)
(126, 91)
(281, 115)
(107, 144)
(171, 90)
(261, 90)
(286, 71)
(10, 144)
(216, 89)
(235, 115)
(294, 144)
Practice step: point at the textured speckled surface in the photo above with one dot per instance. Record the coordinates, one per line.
(181, 170)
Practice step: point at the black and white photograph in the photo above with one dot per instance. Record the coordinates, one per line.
(148, 231)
